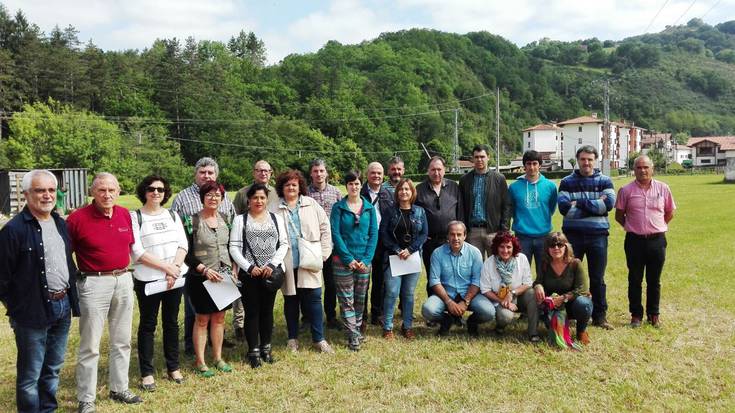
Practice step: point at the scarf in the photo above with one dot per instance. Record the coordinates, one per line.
(559, 326)
(506, 270)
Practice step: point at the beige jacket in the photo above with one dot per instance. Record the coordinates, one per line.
(314, 227)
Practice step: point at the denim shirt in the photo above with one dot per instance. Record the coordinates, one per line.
(456, 272)
(419, 229)
(478, 207)
(23, 286)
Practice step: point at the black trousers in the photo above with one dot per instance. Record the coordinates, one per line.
(330, 291)
(376, 289)
(644, 255)
(258, 303)
(148, 305)
(426, 251)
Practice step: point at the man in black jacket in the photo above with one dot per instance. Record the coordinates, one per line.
(38, 288)
(485, 201)
(382, 199)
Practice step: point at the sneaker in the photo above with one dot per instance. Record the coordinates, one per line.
(654, 320)
(323, 347)
(354, 343)
(125, 396)
(408, 333)
(583, 338)
(388, 335)
(86, 407)
(148, 384)
(635, 321)
(293, 345)
(602, 323)
(535, 338)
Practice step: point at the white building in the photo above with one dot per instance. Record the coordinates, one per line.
(712, 150)
(629, 140)
(587, 130)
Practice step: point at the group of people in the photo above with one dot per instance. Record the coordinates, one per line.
(315, 246)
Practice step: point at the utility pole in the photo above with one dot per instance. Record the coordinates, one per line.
(455, 149)
(497, 131)
(606, 132)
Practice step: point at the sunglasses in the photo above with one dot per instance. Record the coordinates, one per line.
(158, 189)
(558, 245)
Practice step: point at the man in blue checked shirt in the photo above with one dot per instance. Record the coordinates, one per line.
(585, 199)
(454, 278)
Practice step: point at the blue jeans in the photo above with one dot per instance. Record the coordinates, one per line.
(405, 285)
(482, 309)
(40, 357)
(595, 248)
(310, 300)
(533, 249)
(580, 309)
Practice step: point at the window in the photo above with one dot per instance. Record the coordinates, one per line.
(562, 146)
(529, 144)
(529, 134)
(705, 161)
(705, 151)
(580, 129)
(580, 141)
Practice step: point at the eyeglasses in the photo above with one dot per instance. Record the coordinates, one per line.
(158, 189)
(213, 196)
(558, 245)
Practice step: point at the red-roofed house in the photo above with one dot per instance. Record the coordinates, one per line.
(714, 150)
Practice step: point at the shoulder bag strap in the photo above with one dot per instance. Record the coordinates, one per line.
(245, 238)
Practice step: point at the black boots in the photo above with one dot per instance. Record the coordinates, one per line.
(254, 358)
(265, 354)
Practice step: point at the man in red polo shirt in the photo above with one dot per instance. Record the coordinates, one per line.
(101, 236)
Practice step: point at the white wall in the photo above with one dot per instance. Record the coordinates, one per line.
(591, 134)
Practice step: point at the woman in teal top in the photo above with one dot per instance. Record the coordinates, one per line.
(355, 236)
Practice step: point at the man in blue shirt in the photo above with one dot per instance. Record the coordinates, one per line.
(454, 278)
(485, 201)
(38, 288)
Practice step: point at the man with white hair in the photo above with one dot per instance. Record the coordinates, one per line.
(102, 236)
(38, 289)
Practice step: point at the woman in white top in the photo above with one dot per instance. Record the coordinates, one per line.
(158, 253)
(258, 256)
(506, 282)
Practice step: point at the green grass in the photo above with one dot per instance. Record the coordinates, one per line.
(688, 365)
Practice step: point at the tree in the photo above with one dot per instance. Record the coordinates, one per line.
(248, 47)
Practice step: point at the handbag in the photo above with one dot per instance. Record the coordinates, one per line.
(310, 255)
(275, 281)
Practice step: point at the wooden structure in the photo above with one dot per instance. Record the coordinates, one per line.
(11, 190)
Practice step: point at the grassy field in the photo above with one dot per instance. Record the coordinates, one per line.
(688, 365)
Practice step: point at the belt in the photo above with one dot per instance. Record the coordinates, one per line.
(114, 273)
(648, 236)
(56, 295)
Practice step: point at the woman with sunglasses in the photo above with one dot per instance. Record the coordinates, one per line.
(564, 281)
(403, 231)
(355, 236)
(159, 250)
(208, 259)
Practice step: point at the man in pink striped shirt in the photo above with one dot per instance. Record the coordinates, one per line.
(644, 208)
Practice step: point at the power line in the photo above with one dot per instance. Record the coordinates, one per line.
(710, 9)
(685, 12)
(654, 17)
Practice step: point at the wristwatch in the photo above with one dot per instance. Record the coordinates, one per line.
(514, 293)
(467, 302)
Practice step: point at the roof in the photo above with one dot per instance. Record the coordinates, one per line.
(727, 143)
(542, 126)
(581, 119)
(655, 137)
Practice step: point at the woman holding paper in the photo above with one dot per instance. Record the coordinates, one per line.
(403, 231)
(208, 260)
(258, 254)
(310, 244)
(158, 253)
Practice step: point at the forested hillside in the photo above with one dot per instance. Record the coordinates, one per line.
(65, 103)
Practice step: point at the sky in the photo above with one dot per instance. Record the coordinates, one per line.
(304, 26)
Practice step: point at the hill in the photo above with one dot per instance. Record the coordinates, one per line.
(177, 100)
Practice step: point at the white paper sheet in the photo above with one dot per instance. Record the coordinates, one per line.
(223, 293)
(156, 287)
(410, 265)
